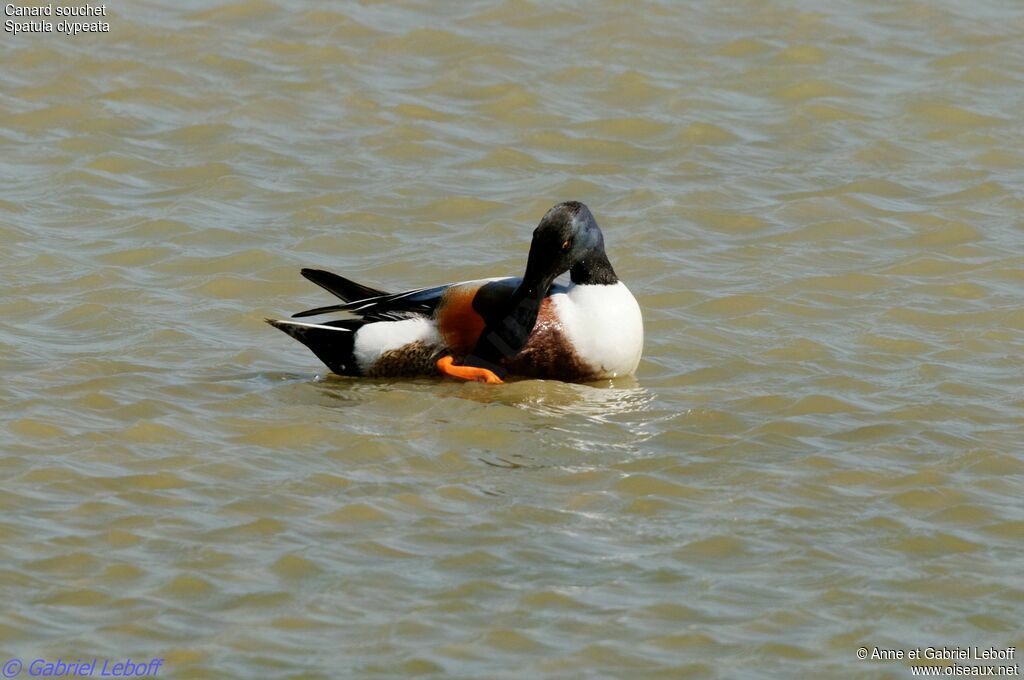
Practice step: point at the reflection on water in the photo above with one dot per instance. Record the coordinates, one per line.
(550, 397)
(817, 207)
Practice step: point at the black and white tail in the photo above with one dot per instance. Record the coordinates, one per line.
(332, 342)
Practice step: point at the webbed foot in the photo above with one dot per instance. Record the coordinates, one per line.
(446, 365)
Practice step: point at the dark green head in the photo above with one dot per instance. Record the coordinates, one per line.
(568, 238)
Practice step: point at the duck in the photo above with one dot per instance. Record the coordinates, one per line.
(488, 330)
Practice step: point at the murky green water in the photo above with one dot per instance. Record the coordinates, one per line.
(818, 206)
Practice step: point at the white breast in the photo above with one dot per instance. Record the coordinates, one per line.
(604, 324)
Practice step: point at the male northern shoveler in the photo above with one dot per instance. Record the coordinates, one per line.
(483, 330)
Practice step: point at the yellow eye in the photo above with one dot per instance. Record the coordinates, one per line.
(565, 245)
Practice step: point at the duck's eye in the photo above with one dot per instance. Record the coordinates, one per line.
(565, 244)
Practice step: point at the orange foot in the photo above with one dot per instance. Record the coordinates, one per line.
(447, 367)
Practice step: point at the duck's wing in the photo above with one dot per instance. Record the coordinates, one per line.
(346, 289)
(396, 306)
(466, 311)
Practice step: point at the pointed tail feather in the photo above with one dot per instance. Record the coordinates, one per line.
(322, 310)
(331, 342)
(343, 288)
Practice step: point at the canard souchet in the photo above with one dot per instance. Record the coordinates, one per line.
(52, 10)
(71, 19)
(488, 329)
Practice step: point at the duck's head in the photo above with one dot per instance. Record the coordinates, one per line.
(567, 238)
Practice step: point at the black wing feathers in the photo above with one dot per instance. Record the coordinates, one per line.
(340, 286)
(387, 307)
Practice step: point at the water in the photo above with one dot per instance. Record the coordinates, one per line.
(817, 206)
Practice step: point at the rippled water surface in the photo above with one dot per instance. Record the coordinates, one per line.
(818, 206)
